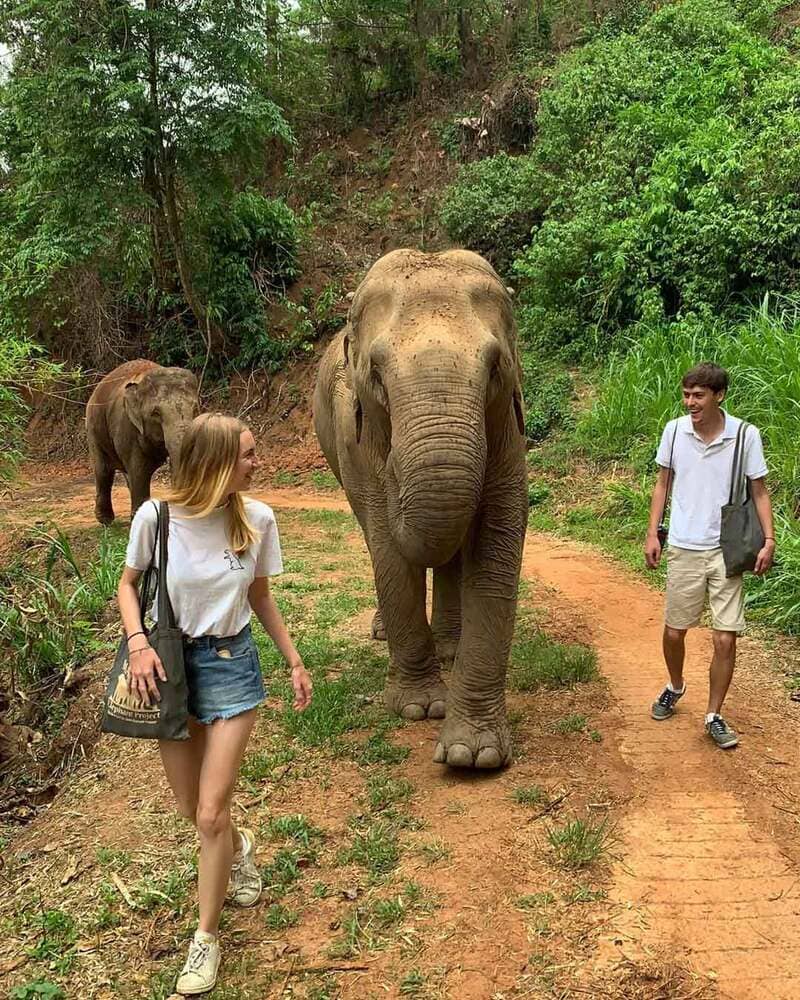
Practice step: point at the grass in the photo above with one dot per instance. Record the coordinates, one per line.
(278, 918)
(531, 795)
(39, 989)
(295, 829)
(434, 852)
(535, 900)
(375, 848)
(580, 843)
(49, 612)
(367, 926)
(537, 662)
(384, 791)
(58, 936)
(574, 723)
(285, 869)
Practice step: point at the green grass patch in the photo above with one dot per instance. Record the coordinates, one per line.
(580, 843)
(384, 791)
(534, 900)
(529, 795)
(434, 852)
(58, 934)
(258, 766)
(296, 829)
(376, 749)
(375, 848)
(538, 662)
(574, 723)
(278, 917)
(368, 925)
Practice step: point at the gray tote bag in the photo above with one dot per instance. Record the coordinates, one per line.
(123, 712)
(741, 535)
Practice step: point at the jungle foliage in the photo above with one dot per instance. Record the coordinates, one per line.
(660, 184)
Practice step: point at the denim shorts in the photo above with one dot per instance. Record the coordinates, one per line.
(223, 676)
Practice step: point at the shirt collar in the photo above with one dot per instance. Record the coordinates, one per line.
(730, 429)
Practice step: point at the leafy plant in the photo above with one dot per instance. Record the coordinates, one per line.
(580, 843)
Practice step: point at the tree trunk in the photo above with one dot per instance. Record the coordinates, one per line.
(163, 165)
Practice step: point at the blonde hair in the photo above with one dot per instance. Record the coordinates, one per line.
(209, 453)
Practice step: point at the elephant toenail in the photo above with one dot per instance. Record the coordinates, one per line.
(439, 754)
(413, 712)
(488, 757)
(459, 755)
(436, 710)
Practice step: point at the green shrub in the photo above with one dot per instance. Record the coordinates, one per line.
(548, 394)
(252, 244)
(493, 206)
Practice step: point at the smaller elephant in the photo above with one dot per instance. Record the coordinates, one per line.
(135, 419)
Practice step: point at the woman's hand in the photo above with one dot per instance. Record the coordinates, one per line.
(301, 683)
(144, 665)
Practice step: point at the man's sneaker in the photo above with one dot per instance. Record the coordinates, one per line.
(200, 972)
(244, 887)
(721, 733)
(664, 706)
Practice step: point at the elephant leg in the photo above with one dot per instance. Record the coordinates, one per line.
(414, 688)
(446, 611)
(476, 732)
(378, 628)
(103, 480)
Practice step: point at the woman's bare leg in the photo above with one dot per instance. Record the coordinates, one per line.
(182, 760)
(225, 742)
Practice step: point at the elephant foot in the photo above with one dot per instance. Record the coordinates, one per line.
(416, 700)
(485, 745)
(105, 515)
(378, 629)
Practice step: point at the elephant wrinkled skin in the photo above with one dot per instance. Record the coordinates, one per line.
(135, 419)
(418, 410)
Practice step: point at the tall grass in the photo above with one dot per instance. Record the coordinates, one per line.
(640, 392)
(48, 622)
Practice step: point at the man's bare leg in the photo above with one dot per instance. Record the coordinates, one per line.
(721, 670)
(674, 646)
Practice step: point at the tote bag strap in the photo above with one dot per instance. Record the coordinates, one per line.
(146, 588)
(166, 616)
(670, 476)
(739, 485)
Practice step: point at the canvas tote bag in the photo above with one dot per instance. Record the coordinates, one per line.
(741, 535)
(123, 712)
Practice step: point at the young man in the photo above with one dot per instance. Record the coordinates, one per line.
(699, 449)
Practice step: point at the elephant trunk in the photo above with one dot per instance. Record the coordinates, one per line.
(173, 438)
(435, 474)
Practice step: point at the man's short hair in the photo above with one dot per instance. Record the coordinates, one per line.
(707, 375)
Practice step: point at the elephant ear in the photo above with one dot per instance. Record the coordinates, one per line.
(131, 401)
(518, 411)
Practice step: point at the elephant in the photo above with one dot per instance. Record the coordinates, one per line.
(135, 418)
(418, 410)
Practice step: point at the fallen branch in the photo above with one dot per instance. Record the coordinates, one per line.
(549, 807)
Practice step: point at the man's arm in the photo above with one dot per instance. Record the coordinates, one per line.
(763, 505)
(652, 546)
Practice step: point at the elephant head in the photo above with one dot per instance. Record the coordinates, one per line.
(432, 361)
(161, 403)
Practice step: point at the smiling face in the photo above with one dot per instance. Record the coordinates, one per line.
(703, 404)
(246, 464)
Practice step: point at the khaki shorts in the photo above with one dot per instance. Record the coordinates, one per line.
(690, 575)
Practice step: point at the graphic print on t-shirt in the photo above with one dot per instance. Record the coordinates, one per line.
(234, 562)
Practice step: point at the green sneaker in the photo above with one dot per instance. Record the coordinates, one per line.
(721, 733)
(664, 706)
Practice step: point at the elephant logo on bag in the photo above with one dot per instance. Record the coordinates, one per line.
(124, 704)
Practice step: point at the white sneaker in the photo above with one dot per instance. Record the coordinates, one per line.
(200, 972)
(244, 887)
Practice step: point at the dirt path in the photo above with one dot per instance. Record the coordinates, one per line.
(707, 865)
(700, 870)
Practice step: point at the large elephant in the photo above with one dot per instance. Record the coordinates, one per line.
(135, 418)
(418, 409)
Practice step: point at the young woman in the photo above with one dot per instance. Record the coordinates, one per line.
(222, 549)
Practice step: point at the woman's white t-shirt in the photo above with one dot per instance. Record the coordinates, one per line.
(206, 580)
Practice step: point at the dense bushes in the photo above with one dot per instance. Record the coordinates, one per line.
(664, 175)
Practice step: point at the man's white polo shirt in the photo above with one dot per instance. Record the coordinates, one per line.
(702, 478)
